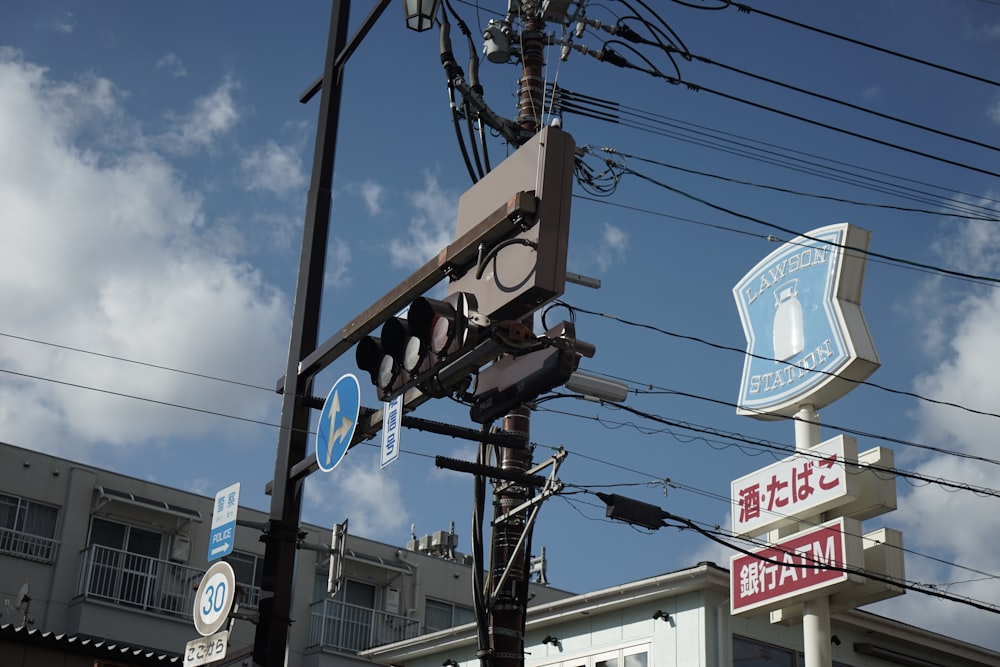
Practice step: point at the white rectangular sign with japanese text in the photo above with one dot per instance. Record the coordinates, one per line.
(802, 485)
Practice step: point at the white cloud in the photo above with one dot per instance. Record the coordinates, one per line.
(357, 488)
(612, 246)
(275, 169)
(993, 111)
(431, 228)
(212, 115)
(372, 193)
(872, 92)
(954, 525)
(65, 23)
(172, 63)
(338, 263)
(109, 252)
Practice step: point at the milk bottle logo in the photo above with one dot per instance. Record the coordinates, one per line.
(787, 334)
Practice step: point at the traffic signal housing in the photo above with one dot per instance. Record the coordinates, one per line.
(519, 274)
(515, 380)
(434, 336)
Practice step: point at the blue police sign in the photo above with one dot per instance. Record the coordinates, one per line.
(223, 536)
(337, 422)
(807, 341)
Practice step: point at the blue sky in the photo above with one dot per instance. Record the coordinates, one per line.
(152, 190)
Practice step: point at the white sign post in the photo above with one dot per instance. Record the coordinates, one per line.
(807, 346)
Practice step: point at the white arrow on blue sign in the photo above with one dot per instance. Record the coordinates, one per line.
(223, 536)
(337, 422)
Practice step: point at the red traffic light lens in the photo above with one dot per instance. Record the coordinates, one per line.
(442, 334)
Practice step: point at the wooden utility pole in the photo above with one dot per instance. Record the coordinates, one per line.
(512, 538)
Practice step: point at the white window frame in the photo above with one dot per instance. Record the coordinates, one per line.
(619, 653)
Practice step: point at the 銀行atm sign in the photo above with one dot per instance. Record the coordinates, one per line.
(793, 569)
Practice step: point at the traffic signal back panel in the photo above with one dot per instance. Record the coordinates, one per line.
(519, 276)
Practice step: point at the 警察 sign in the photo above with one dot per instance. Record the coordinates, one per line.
(807, 341)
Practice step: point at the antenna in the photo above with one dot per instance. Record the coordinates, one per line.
(23, 604)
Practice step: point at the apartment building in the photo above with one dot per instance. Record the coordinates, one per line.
(682, 619)
(115, 561)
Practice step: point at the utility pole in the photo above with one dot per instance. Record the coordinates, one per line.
(511, 546)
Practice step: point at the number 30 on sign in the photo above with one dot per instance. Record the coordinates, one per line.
(206, 649)
(214, 598)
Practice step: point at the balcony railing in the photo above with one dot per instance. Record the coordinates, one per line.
(146, 583)
(349, 628)
(25, 545)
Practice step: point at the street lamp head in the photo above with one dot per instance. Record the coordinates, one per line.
(420, 14)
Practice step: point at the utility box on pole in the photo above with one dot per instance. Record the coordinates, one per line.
(520, 274)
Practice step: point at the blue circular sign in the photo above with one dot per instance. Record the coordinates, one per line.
(337, 422)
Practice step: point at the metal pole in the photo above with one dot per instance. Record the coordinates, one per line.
(281, 537)
(511, 546)
(816, 612)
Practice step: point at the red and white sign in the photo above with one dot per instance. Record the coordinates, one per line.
(800, 486)
(793, 569)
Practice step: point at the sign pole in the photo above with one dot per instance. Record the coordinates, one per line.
(815, 611)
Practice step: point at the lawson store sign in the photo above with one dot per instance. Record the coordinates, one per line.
(807, 341)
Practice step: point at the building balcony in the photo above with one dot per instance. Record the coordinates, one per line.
(347, 628)
(31, 547)
(155, 585)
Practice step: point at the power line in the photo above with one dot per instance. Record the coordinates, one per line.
(729, 348)
(767, 444)
(775, 188)
(725, 499)
(133, 361)
(141, 398)
(770, 153)
(747, 9)
(889, 258)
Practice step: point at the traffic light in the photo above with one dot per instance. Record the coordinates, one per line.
(382, 357)
(412, 351)
(515, 380)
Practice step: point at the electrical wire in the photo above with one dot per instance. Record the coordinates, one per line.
(747, 9)
(740, 441)
(783, 190)
(870, 253)
(667, 482)
(729, 348)
(769, 153)
(137, 363)
(146, 399)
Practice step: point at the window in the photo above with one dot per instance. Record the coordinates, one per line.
(631, 656)
(249, 571)
(27, 528)
(440, 615)
(752, 653)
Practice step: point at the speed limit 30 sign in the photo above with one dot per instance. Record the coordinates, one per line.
(215, 597)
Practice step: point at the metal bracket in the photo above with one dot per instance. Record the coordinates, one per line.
(552, 487)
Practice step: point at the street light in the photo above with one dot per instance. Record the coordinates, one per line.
(282, 535)
(420, 14)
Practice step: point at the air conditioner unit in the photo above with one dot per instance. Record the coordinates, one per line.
(445, 540)
(180, 548)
